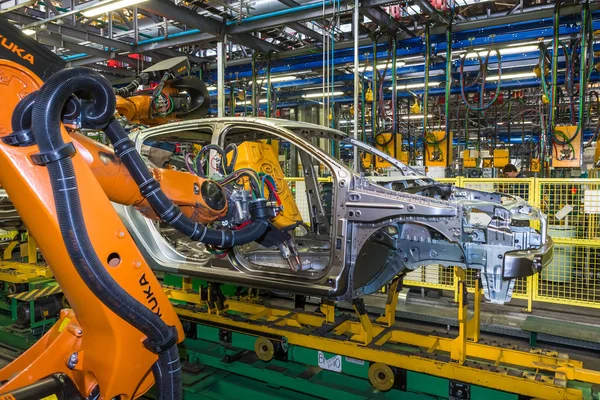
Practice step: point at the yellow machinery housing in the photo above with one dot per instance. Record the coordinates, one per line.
(384, 142)
(262, 157)
(438, 149)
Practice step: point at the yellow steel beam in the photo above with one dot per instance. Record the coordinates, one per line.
(389, 318)
(31, 250)
(9, 250)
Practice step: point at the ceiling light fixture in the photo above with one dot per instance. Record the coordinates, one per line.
(417, 85)
(399, 64)
(109, 5)
(28, 31)
(509, 77)
(249, 103)
(505, 51)
(275, 79)
(315, 95)
(415, 116)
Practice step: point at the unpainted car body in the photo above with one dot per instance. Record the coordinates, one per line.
(376, 230)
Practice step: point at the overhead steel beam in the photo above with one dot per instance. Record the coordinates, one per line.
(178, 41)
(540, 12)
(11, 5)
(125, 20)
(384, 20)
(289, 3)
(85, 61)
(73, 32)
(306, 31)
(303, 29)
(183, 15)
(428, 9)
(291, 15)
(57, 41)
(81, 35)
(165, 8)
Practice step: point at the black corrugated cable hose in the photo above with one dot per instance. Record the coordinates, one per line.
(140, 79)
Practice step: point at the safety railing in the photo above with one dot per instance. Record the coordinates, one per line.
(573, 210)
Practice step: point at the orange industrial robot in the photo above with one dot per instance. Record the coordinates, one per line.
(176, 96)
(121, 334)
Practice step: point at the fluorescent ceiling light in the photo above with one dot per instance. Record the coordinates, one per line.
(109, 5)
(249, 103)
(517, 123)
(509, 77)
(211, 88)
(416, 116)
(505, 51)
(315, 95)
(417, 85)
(282, 78)
(28, 32)
(399, 64)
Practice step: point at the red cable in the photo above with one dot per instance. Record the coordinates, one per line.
(272, 190)
(242, 225)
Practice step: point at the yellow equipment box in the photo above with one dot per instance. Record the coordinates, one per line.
(385, 143)
(470, 158)
(501, 157)
(438, 149)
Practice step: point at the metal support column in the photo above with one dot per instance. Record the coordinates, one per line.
(221, 77)
(135, 26)
(355, 19)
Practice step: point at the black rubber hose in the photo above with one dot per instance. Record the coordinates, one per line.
(46, 116)
(130, 88)
(206, 149)
(169, 212)
(21, 117)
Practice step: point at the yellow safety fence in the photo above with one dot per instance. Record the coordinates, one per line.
(573, 210)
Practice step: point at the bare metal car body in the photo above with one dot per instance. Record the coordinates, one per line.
(377, 230)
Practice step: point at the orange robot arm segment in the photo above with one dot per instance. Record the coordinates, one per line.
(184, 189)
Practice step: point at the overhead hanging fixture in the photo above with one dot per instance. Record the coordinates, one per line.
(109, 5)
